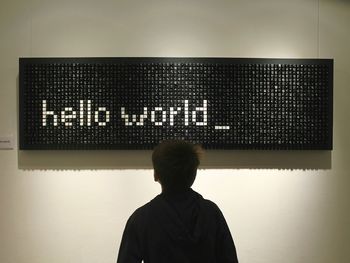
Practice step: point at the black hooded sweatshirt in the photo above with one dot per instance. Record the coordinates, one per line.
(177, 228)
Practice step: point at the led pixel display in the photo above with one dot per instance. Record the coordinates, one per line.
(134, 103)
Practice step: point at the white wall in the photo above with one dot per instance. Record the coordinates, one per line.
(72, 206)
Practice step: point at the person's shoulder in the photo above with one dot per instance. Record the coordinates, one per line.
(209, 205)
(212, 213)
(142, 213)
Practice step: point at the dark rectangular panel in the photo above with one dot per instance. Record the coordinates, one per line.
(133, 103)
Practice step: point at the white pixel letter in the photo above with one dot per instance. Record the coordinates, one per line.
(46, 113)
(173, 113)
(81, 112)
(67, 115)
(186, 112)
(153, 116)
(89, 113)
(203, 109)
(134, 118)
(97, 114)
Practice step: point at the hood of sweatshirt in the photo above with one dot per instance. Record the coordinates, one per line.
(181, 217)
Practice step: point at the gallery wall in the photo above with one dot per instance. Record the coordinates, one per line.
(71, 206)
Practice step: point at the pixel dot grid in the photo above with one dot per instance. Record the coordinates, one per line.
(134, 103)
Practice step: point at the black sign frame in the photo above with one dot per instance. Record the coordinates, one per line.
(29, 140)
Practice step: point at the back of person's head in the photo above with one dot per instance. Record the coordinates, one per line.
(175, 163)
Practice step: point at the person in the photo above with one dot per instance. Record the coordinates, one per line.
(178, 225)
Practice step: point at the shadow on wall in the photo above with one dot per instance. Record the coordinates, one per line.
(137, 159)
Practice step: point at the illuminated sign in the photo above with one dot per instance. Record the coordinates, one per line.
(134, 103)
